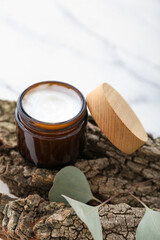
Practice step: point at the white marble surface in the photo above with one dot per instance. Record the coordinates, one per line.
(85, 43)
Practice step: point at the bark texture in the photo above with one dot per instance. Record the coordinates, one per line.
(108, 171)
(35, 218)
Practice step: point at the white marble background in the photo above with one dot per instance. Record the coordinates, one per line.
(85, 43)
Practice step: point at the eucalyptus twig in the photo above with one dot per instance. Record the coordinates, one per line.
(147, 181)
(136, 198)
(97, 200)
(109, 199)
(129, 192)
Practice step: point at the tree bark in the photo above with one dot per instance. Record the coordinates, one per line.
(35, 218)
(107, 169)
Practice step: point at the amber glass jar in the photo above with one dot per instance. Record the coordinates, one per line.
(49, 144)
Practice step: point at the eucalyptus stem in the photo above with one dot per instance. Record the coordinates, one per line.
(127, 191)
(136, 198)
(109, 199)
(147, 181)
(115, 195)
(96, 199)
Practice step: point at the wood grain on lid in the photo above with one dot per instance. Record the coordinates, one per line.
(116, 119)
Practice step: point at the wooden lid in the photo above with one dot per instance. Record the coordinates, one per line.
(116, 119)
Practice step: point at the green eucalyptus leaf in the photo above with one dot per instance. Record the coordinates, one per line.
(89, 215)
(71, 182)
(149, 227)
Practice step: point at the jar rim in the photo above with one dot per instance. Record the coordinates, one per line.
(69, 121)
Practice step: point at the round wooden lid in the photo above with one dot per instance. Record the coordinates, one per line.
(116, 119)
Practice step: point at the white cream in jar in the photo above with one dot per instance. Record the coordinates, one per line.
(51, 120)
(52, 103)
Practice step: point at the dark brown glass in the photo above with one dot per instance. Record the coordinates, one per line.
(46, 144)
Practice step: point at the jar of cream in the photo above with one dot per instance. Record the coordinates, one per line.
(51, 119)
